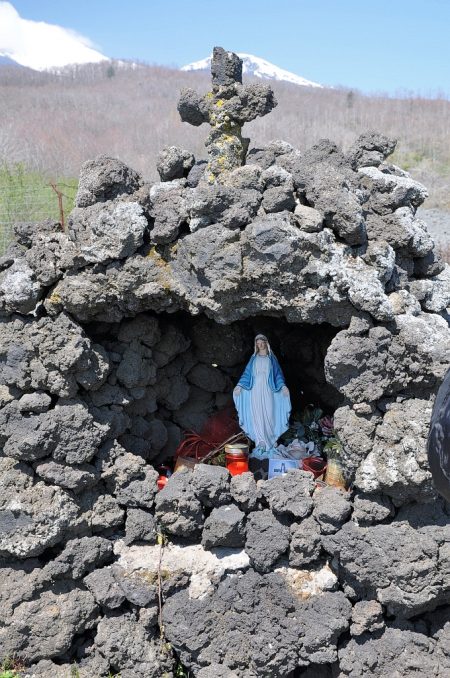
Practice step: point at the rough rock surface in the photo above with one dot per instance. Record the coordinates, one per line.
(267, 539)
(129, 329)
(224, 527)
(402, 564)
(287, 629)
(290, 494)
(331, 508)
(177, 508)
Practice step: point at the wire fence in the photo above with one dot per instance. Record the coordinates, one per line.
(32, 197)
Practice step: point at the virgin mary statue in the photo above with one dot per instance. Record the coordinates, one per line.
(262, 397)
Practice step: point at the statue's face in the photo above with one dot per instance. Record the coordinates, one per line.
(261, 344)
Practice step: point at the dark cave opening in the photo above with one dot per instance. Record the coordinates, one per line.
(171, 372)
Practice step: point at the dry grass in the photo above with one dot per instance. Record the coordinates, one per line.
(54, 123)
(444, 251)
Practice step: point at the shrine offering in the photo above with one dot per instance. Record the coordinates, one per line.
(279, 467)
(236, 459)
(185, 462)
(164, 474)
(315, 465)
(335, 474)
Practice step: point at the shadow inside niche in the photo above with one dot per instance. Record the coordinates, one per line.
(171, 378)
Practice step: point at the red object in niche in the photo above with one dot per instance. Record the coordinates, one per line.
(164, 474)
(218, 428)
(236, 459)
(315, 465)
(161, 482)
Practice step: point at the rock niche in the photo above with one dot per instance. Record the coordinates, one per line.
(132, 325)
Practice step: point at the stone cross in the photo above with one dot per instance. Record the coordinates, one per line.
(226, 107)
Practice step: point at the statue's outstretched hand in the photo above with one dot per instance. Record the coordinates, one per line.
(237, 390)
(285, 391)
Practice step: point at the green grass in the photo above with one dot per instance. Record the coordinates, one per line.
(408, 160)
(29, 196)
(8, 668)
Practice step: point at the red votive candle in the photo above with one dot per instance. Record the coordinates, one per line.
(164, 475)
(236, 458)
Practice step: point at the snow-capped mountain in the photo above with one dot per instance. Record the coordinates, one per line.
(42, 46)
(258, 67)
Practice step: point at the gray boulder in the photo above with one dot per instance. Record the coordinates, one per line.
(53, 355)
(216, 671)
(76, 478)
(402, 568)
(308, 218)
(51, 255)
(80, 556)
(370, 149)
(104, 179)
(174, 163)
(306, 545)
(168, 209)
(107, 231)
(244, 491)
(19, 288)
(267, 539)
(139, 587)
(331, 508)
(290, 494)
(127, 476)
(33, 515)
(33, 635)
(211, 484)
(105, 589)
(371, 508)
(207, 378)
(178, 510)
(397, 652)
(391, 191)
(34, 402)
(367, 616)
(106, 514)
(224, 527)
(255, 606)
(366, 368)
(397, 463)
(68, 433)
(129, 649)
(139, 526)
(278, 198)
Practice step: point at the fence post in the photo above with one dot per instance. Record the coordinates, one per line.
(60, 204)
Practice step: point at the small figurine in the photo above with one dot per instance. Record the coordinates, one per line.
(262, 398)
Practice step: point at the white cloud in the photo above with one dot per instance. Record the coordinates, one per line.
(40, 45)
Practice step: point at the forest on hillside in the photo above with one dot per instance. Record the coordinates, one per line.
(52, 123)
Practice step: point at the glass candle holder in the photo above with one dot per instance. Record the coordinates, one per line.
(236, 459)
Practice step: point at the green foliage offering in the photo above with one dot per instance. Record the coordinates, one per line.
(29, 196)
(312, 426)
(306, 427)
(333, 448)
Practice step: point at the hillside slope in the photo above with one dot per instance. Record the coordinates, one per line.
(54, 123)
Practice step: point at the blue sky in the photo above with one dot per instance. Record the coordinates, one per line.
(381, 46)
